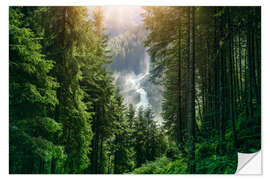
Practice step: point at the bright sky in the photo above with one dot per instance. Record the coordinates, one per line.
(123, 14)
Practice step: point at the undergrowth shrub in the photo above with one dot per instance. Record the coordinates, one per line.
(155, 167)
(217, 165)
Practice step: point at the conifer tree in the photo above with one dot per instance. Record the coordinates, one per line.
(33, 130)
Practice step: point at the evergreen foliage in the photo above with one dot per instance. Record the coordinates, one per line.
(208, 59)
(66, 115)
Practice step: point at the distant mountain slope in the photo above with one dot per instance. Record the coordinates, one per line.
(128, 51)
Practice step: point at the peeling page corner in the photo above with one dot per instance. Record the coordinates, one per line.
(249, 164)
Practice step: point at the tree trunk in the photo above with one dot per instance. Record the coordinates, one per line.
(221, 67)
(232, 108)
(191, 92)
(179, 87)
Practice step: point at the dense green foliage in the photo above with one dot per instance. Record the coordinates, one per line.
(33, 129)
(66, 115)
(212, 165)
(208, 59)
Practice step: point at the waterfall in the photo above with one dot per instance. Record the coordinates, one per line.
(133, 84)
(143, 94)
(139, 79)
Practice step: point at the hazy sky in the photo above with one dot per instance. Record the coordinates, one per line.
(118, 19)
(123, 14)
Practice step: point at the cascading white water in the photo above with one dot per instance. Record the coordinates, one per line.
(136, 88)
(139, 89)
(134, 83)
(143, 94)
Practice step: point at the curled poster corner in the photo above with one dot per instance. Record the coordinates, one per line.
(249, 163)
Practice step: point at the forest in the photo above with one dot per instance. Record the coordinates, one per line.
(67, 115)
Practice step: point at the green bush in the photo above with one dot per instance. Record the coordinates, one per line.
(249, 133)
(217, 165)
(205, 149)
(177, 167)
(173, 152)
(163, 165)
(155, 167)
(207, 161)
